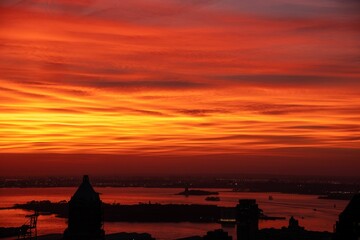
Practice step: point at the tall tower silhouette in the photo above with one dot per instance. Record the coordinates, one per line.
(247, 219)
(85, 214)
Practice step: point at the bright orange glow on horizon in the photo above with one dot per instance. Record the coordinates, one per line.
(180, 78)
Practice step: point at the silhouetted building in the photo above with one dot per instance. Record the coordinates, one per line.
(218, 234)
(129, 236)
(85, 214)
(288, 234)
(294, 224)
(227, 217)
(293, 232)
(348, 226)
(191, 238)
(247, 219)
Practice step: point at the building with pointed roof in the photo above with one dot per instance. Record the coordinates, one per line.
(85, 214)
(348, 226)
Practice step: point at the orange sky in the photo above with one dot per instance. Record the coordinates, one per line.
(236, 86)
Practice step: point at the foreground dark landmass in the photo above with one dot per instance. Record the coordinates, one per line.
(331, 188)
(270, 234)
(114, 236)
(290, 234)
(142, 212)
(9, 232)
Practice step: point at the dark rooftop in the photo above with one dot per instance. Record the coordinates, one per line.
(85, 192)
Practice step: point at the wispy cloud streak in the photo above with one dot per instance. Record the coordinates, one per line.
(175, 78)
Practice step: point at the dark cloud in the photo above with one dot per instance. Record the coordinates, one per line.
(170, 84)
(336, 127)
(289, 80)
(58, 6)
(201, 112)
(264, 139)
(283, 109)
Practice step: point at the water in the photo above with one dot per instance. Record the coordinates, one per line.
(301, 207)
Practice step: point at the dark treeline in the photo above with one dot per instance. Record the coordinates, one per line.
(135, 213)
(141, 212)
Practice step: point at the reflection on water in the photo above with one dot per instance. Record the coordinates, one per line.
(313, 213)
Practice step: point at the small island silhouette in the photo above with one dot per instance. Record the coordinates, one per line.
(188, 192)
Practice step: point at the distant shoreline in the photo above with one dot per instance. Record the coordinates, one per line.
(194, 213)
(330, 188)
(346, 196)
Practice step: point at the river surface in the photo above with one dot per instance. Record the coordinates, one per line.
(313, 213)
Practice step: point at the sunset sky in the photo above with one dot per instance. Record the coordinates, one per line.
(179, 86)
